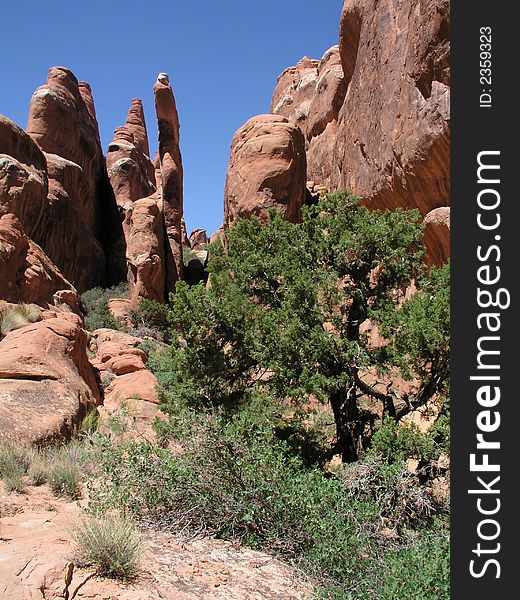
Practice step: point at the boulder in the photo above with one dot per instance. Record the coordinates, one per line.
(437, 236)
(267, 169)
(46, 382)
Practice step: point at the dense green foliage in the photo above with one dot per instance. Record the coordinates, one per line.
(278, 328)
(95, 304)
(150, 319)
(236, 479)
(285, 309)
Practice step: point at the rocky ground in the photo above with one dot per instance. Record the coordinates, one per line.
(37, 561)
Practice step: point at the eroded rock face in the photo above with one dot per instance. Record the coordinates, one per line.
(145, 251)
(267, 169)
(132, 177)
(62, 121)
(26, 272)
(437, 236)
(63, 124)
(311, 94)
(393, 135)
(171, 175)
(122, 363)
(198, 239)
(23, 176)
(82, 258)
(294, 91)
(375, 109)
(130, 169)
(46, 382)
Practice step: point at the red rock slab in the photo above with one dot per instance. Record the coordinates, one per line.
(47, 384)
(109, 350)
(125, 363)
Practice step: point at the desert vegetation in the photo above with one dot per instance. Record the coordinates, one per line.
(285, 429)
(286, 425)
(13, 316)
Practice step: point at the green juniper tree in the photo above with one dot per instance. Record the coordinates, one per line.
(284, 310)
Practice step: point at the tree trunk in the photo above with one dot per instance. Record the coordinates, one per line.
(348, 426)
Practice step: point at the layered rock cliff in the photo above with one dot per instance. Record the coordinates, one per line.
(375, 109)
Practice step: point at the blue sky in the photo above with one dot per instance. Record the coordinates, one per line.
(223, 59)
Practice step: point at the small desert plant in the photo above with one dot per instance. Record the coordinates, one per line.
(14, 462)
(150, 319)
(90, 422)
(15, 316)
(38, 470)
(109, 543)
(64, 478)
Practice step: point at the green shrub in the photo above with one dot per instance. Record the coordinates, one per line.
(95, 304)
(111, 544)
(64, 479)
(90, 422)
(234, 479)
(150, 319)
(188, 255)
(400, 441)
(419, 570)
(14, 463)
(38, 470)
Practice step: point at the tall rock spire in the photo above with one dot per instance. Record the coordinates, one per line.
(136, 124)
(171, 176)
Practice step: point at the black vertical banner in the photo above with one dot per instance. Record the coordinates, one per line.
(485, 330)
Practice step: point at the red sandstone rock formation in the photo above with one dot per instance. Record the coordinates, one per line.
(393, 137)
(130, 169)
(171, 175)
(118, 357)
(46, 382)
(267, 169)
(26, 272)
(132, 176)
(311, 94)
(63, 124)
(437, 235)
(198, 238)
(146, 251)
(23, 176)
(376, 118)
(80, 207)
